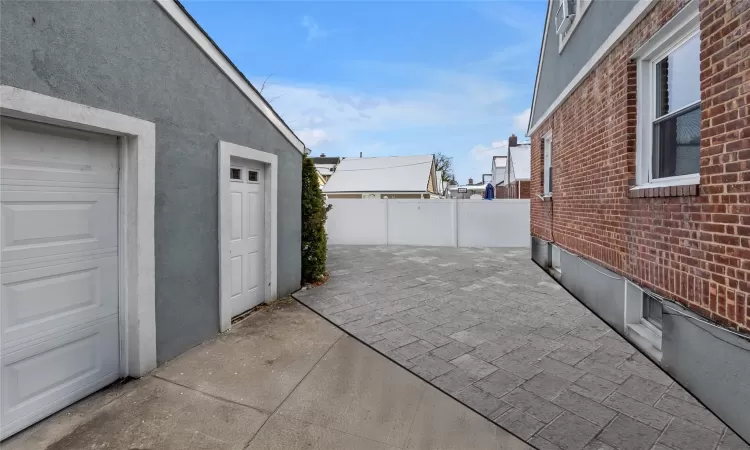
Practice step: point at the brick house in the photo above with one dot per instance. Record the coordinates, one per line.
(641, 111)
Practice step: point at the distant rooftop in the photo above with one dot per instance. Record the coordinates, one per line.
(383, 174)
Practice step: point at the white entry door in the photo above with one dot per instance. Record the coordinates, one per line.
(247, 246)
(59, 322)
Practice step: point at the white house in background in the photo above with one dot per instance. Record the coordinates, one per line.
(391, 177)
(499, 164)
(325, 165)
(518, 171)
(441, 184)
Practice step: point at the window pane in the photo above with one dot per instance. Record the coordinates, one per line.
(652, 310)
(678, 81)
(235, 174)
(252, 175)
(677, 144)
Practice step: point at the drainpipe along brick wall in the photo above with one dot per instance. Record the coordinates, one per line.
(690, 244)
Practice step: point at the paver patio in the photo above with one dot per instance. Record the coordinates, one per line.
(490, 328)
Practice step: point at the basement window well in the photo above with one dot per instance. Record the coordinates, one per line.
(643, 319)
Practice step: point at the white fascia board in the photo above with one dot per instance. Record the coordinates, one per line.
(631, 20)
(210, 49)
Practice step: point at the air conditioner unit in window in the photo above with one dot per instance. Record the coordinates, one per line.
(566, 12)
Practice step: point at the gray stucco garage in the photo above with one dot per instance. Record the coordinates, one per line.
(149, 194)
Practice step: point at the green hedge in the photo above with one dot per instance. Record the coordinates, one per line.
(314, 213)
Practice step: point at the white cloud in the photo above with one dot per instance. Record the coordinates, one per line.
(329, 115)
(312, 136)
(484, 153)
(313, 29)
(521, 120)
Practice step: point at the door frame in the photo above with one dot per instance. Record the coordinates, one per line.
(270, 163)
(135, 221)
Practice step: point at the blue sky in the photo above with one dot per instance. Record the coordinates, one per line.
(389, 78)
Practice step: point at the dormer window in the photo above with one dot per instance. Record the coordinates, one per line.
(568, 14)
(564, 16)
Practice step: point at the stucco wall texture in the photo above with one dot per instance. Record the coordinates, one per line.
(129, 57)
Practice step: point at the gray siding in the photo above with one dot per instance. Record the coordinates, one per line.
(558, 69)
(130, 57)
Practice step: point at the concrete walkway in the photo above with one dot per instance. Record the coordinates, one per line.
(282, 379)
(493, 330)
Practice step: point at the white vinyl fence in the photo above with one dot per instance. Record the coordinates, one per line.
(440, 223)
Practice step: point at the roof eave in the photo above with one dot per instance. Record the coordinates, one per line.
(244, 85)
(539, 67)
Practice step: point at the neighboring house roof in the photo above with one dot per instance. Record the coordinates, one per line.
(325, 169)
(520, 161)
(326, 160)
(185, 21)
(386, 174)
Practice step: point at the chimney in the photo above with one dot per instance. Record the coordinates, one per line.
(512, 141)
(471, 181)
(360, 154)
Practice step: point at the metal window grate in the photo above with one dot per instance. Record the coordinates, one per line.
(235, 174)
(252, 175)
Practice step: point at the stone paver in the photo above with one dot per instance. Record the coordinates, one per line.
(570, 431)
(628, 434)
(490, 328)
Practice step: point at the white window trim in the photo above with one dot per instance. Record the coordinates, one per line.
(683, 26)
(137, 307)
(271, 166)
(547, 164)
(581, 7)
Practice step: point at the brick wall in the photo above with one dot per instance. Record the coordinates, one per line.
(501, 191)
(692, 246)
(525, 187)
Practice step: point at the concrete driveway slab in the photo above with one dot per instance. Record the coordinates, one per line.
(496, 308)
(47, 432)
(442, 423)
(260, 361)
(356, 390)
(162, 415)
(284, 433)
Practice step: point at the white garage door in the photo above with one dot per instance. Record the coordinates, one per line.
(247, 245)
(58, 269)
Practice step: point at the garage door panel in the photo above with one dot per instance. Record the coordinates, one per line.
(37, 224)
(59, 286)
(38, 377)
(44, 300)
(40, 152)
